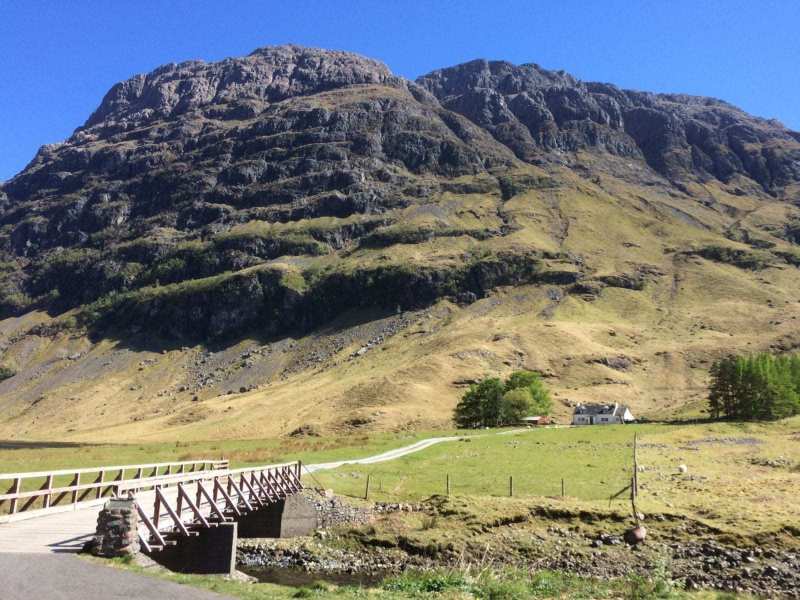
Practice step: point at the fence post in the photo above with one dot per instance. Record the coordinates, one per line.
(100, 479)
(366, 491)
(76, 482)
(635, 483)
(48, 497)
(562, 487)
(15, 489)
(511, 486)
(448, 484)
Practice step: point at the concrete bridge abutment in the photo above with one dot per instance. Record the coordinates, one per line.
(293, 516)
(211, 552)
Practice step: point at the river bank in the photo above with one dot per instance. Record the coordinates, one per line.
(475, 534)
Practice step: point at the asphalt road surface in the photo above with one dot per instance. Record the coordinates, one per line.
(68, 577)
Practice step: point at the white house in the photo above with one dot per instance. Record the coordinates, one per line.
(601, 414)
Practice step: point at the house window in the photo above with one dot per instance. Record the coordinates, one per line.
(604, 419)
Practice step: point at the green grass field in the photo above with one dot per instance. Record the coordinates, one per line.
(732, 469)
(40, 456)
(593, 464)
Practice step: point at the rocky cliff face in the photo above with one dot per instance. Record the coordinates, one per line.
(535, 112)
(297, 167)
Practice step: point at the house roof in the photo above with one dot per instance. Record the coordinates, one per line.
(601, 409)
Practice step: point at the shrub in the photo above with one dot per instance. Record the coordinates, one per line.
(6, 373)
(480, 405)
(541, 404)
(427, 582)
(516, 405)
(492, 403)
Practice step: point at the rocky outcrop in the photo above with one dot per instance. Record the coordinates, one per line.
(269, 301)
(236, 88)
(534, 111)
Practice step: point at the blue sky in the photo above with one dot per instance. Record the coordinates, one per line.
(58, 58)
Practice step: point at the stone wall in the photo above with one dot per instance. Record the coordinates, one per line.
(332, 511)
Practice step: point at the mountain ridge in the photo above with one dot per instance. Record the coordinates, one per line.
(313, 217)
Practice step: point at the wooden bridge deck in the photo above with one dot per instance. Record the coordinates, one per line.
(64, 531)
(60, 532)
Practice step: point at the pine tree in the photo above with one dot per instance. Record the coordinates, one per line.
(758, 386)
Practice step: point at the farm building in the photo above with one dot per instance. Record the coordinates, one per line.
(535, 421)
(601, 414)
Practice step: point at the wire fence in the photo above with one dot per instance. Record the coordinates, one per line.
(390, 484)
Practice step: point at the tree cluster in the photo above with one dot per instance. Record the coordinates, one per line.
(755, 387)
(494, 403)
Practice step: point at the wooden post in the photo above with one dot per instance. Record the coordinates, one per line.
(16, 487)
(156, 508)
(76, 482)
(633, 502)
(635, 483)
(511, 486)
(366, 491)
(448, 484)
(562, 487)
(49, 484)
(100, 479)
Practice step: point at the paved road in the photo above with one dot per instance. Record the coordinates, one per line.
(67, 577)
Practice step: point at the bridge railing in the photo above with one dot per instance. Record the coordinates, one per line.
(69, 489)
(206, 499)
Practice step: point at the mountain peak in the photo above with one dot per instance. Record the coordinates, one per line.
(266, 75)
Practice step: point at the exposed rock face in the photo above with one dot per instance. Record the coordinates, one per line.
(534, 111)
(238, 87)
(210, 198)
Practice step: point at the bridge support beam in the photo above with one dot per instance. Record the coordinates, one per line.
(212, 551)
(293, 516)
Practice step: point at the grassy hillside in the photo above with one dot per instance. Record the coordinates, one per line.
(639, 290)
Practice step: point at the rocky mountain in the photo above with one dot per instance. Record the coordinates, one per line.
(279, 195)
(535, 112)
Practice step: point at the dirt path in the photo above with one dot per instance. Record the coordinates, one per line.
(399, 452)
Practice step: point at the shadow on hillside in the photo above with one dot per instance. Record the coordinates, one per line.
(145, 341)
(23, 445)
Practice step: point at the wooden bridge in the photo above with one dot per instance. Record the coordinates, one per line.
(173, 501)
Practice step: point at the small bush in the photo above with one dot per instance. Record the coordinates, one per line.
(427, 582)
(429, 522)
(6, 373)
